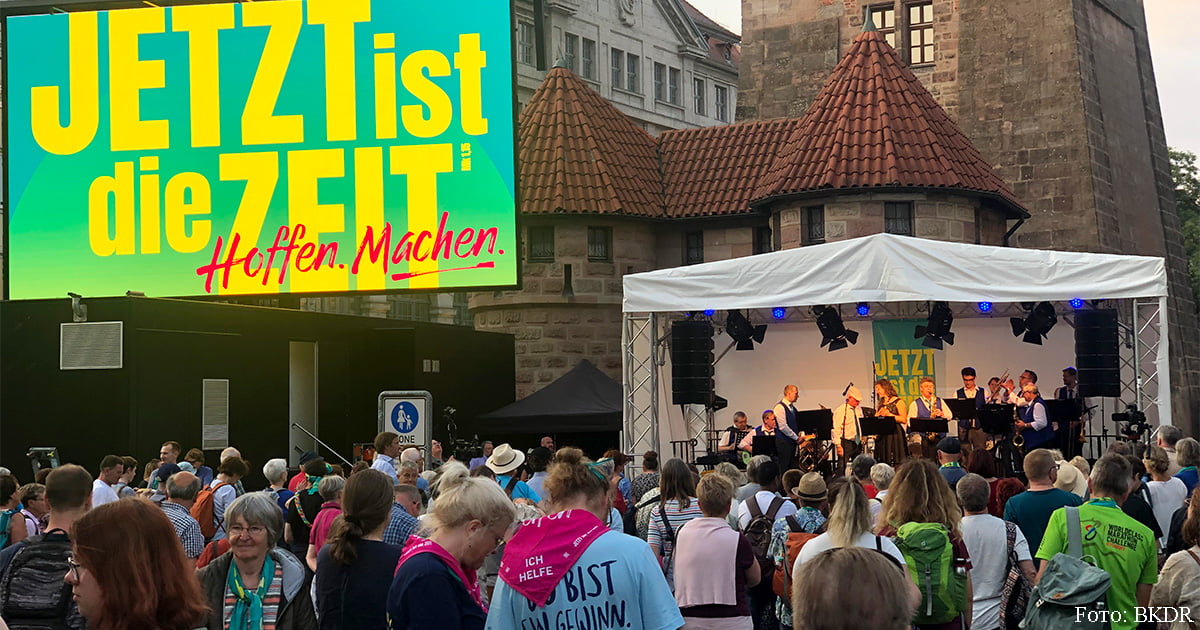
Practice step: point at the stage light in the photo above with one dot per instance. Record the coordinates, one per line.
(743, 332)
(1036, 324)
(1077, 303)
(985, 307)
(937, 329)
(779, 312)
(708, 312)
(833, 331)
(863, 309)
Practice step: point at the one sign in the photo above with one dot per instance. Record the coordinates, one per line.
(900, 358)
(315, 146)
(407, 414)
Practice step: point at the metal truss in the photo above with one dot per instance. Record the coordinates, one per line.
(1146, 338)
(639, 344)
(699, 422)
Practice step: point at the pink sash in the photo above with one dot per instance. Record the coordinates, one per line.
(543, 550)
(416, 545)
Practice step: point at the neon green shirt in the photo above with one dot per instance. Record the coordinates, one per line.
(1118, 544)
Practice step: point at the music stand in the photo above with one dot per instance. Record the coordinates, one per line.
(878, 425)
(818, 421)
(928, 425)
(996, 419)
(763, 445)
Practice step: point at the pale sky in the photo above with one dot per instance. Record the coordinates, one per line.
(1173, 42)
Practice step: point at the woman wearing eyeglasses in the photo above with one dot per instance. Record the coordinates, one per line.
(254, 585)
(435, 587)
(132, 542)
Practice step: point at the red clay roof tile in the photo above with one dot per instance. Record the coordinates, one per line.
(578, 154)
(874, 124)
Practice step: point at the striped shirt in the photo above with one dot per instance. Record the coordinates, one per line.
(400, 527)
(270, 603)
(658, 534)
(186, 528)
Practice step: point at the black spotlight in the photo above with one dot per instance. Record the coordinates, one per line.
(743, 332)
(937, 329)
(1036, 325)
(833, 331)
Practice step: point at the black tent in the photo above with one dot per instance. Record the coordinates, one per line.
(582, 400)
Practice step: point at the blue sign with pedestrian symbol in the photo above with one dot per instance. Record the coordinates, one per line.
(405, 417)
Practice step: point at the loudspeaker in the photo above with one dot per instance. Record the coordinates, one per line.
(1097, 353)
(691, 362)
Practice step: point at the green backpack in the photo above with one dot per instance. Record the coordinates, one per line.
(932, 566)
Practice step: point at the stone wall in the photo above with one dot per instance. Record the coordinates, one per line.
(723, 239)
(554, 331)
(936, 216)
(789, 49)
(550, 340)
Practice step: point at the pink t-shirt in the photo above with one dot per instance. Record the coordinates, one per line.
(324, 521)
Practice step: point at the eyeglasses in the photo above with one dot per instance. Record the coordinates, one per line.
(254, 530)
(73, 568)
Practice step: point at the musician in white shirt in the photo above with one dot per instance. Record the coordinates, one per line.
(767, 428)
(847, 434)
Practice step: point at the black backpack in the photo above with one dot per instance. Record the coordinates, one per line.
(33, 595)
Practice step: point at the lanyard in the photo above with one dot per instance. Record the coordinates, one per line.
(1102, 502)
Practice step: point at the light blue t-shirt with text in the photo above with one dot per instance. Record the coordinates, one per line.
(615, 584)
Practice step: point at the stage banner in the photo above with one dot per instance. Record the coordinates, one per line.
(317, 146)
(900, 358)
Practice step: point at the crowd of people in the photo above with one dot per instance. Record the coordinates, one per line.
(547, 538)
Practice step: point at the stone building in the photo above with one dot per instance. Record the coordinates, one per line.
(601, 197)
(1059, 96)
(662, 63)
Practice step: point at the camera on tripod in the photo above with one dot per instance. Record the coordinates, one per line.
(1132, 422)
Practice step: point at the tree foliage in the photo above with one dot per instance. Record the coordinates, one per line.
(1185, 170)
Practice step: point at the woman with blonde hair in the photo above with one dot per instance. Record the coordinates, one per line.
(551, 562)
(849, 525)
(1167, 493)
(715, 564)
(852, 588)
(436, 585)
(919, 494)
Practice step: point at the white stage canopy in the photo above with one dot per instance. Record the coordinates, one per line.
(890, 268)
(879, 268)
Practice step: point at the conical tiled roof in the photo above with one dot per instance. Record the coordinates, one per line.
(580, 155)
(873, 125)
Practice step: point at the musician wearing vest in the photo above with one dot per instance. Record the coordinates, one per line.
(1015, 392)
(968, 430)
(847, 427)
(928, 405)
(731, 439)
(767, 428)
(1070, 429)
(788, 434)
(1033, 424)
